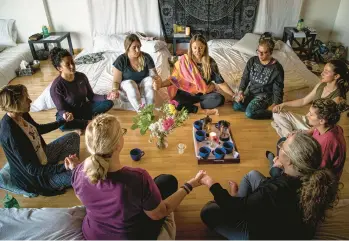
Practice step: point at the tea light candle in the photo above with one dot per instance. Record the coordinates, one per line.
(213, 135)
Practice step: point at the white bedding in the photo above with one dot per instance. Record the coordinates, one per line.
(10, 58)
(100, 76)
(231, 63)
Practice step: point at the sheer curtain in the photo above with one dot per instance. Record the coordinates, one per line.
(274, 15)
(121, 16)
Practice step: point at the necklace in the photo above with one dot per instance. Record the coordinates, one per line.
(326, 92)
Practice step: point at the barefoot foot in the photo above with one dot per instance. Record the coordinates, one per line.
(211, 112)
(233, 188)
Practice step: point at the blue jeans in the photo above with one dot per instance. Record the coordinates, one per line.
(85, 113)
(58, 150)
(255, 107)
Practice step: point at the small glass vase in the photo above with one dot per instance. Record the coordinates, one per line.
(162, 143)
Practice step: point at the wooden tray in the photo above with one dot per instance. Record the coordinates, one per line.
(233, 157)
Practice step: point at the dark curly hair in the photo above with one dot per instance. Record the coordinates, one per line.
(328, 110)
(340, 68)
(267, 42)
(57, 54)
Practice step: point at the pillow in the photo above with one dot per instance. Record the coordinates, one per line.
(6, 183)
(249, 43)
(8, 33)
(221, 43)
(115, 42)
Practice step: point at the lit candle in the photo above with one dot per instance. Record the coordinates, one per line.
(213, 136)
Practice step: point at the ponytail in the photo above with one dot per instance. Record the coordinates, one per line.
(340, 68)
(97, 169)
(318, 193)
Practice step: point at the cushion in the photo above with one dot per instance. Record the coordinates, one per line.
(221, 43)
(6, 183)
(64, 224)
(8, 33)
(336, 224)
(249, 43)
(115, 42)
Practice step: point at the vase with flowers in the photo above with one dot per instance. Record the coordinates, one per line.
(159, 121)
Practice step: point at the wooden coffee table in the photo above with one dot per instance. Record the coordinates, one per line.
(231, 158)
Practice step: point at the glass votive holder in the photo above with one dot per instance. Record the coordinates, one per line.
(181, 148)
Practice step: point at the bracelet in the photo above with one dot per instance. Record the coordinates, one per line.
(187, 185)
(185, 189)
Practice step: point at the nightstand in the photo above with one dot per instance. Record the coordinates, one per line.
(55, 37)
(179, 38)
(305, 47)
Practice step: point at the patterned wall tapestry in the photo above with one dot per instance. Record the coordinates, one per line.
(212, 18)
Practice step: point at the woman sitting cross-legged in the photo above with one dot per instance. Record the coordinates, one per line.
(334, 85)
(70, 91)
(323, 116)
(33, 164)
(134, 72)
(122, 202)
(262, 83)
(193, 78)
(288, 206)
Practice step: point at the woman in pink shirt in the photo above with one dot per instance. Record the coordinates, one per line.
(323, 116)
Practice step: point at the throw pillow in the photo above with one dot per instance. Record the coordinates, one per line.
(249, 43)
(8, 33)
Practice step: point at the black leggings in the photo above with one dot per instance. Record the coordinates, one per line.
(167, 185)
(207, 101)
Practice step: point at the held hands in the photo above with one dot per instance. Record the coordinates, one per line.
(157, 82)
(71, 162)
(67, 116)
(114, 94)
(195, 182)
(239, 96)
(278, 108)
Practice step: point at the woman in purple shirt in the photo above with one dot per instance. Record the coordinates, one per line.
(70, 91)
(122, 202)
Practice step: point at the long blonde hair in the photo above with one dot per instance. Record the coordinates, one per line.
(206, 65)
(101, 137)
(127, 44)
(319, 190)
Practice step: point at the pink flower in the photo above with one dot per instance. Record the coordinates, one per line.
(141, 106)
(173, 102)
(167, 124)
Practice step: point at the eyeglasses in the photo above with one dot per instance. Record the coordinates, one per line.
(261, 53)
(124, 131)
(281, 147)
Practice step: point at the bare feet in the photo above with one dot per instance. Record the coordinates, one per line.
(233, 188)
(211, 111)
(80, 132)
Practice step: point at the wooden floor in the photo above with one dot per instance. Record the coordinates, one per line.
(253, 139)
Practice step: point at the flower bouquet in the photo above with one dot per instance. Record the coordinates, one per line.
(160, 127)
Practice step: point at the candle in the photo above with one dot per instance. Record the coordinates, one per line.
(213, 136)
(187, 31)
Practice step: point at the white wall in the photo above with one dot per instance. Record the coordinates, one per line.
(29, 16)
(320, 14)
(340, 32)
(71, 16)
(67, 15)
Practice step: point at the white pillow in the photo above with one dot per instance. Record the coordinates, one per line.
(249, 43)
(8, 33)
(221, 43)
(115, 42)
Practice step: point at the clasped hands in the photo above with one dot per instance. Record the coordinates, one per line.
(71, 162)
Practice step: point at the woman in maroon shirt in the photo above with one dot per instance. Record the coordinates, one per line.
(70, 91)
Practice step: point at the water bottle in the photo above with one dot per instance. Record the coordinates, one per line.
(300, 25)
(10, 202)
(45, 32)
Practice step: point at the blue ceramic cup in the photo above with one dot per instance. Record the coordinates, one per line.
(219, 153)
(200, 135)
(198, 125)
(204, 152)
(228, 146)
(136, 154)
